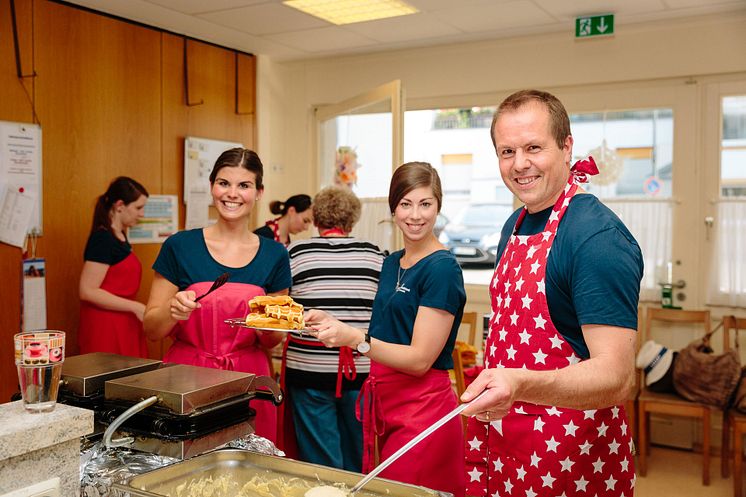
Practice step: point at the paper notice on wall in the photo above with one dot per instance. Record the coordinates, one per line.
(198, 210)
(16, 209)
(34, 294)
(160, 220)
(200, 155)
(21, 164)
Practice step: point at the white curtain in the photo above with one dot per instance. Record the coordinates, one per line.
(375, 223)
(727, 285)
(649, 221)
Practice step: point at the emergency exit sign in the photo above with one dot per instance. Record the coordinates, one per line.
(590, 26)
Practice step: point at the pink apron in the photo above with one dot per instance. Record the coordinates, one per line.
(205, 340)
(397, 407)
(536, 449)
(117, 332)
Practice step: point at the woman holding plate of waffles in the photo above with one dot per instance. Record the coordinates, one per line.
(416, 313)
(190, 261)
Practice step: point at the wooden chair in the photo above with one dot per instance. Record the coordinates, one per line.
(668, 404)
(469, 319)
(630, 405)
(732, 419)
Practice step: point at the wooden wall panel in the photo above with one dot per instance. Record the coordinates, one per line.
(110, 99)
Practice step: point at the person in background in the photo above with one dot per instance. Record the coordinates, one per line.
(416, 315)
(294, 217)
(561, 347)
(190, 261)
(338, 274)
(110, 317)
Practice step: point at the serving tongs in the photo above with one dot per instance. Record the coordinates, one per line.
(396, 455)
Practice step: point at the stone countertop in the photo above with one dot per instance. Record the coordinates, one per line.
(22, 432)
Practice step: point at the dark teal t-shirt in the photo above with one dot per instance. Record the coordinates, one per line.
(593, 271)
(435, 281)
(185, 260)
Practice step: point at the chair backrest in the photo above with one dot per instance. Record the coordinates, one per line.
(470, 320)
(676, 316)
(734, 324)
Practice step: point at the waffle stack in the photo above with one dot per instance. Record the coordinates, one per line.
(280, 312)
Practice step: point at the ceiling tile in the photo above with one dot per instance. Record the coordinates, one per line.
(332, 38)
(570, 10)
(404, 28)
(200, 6)
(266, 18)
(495, 16)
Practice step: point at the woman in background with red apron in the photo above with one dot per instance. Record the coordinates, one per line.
(110, 317)
(190, 261)
(416, 315)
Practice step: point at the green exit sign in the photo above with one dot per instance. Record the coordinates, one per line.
(590, 26)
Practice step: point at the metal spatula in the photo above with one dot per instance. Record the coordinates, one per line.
(222, 280)
(396, 455)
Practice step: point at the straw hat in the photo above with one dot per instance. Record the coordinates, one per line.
(655, 359)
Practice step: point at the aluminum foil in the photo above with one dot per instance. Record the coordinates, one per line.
(100, 467)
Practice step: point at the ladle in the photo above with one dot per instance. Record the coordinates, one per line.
(396, 455)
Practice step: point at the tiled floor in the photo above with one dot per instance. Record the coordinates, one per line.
(678, 473)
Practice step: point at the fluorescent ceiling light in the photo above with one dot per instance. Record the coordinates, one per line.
(349, 11)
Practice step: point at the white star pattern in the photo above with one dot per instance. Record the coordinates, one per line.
(531, 251)
(520, 410)
(552, 445)
(567, 464)
(530, 492)
(508, 300)
(475, 475)
(540, 287)
(525, 336)
(570, 429)
(556, 342)
(527, 302)
(553, 411)
(511, 352)
(624, 428)
(580, 484)
(508, 485)
(598, 465)
(507, 286)
(547, 480)
(514, 318)
(475, 443)
(545, 236)
(503, 333)
(615, 412)
(535, 267)
(573, 359)
(519, 284)
(539, 357)
(521, 473)
(517, 270)
(602, 430)
(493, 348)
(522, 239)
(535, 459)
(614, 447)
(586, 448)
(554, 217)
(499, 301)
(625, 464)
(497, 425)
(610, 483)
(540, 321)
(498, 463)
(566, 202)
(539, 424)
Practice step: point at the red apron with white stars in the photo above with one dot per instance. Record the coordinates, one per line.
(536, 449)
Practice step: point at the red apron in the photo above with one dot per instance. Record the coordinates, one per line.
(537, 449)
(117, 332)
(205, 340)
(397, 407)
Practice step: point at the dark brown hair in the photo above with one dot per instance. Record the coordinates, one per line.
(122, 188)
(336, 207)
(410, 176)
(298, 202)
(240, 157)
(559, 122)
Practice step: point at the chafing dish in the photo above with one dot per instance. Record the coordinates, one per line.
(241, 466)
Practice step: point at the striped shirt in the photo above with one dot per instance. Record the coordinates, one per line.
(339, 276)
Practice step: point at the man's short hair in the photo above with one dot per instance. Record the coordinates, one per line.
(559, 121)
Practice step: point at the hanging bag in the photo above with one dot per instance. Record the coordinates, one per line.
(702, 376)
(739, 399)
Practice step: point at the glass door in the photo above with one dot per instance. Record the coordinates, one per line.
(359, 144)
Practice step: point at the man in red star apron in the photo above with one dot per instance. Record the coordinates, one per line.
(559, 357)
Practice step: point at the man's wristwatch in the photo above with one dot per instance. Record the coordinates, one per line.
(364, 346)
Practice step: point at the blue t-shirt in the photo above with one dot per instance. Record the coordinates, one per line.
(185, 260)
(104, 247)
(594, 269)
(435, 281)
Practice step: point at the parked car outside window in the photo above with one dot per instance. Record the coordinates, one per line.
(472, 237)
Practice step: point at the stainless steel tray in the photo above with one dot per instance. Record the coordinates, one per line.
(85, 374)
(241, 466)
